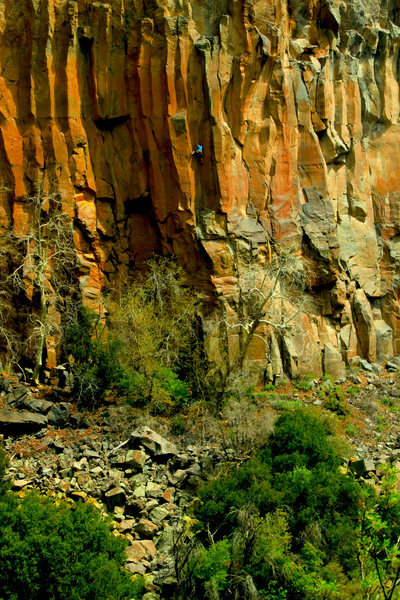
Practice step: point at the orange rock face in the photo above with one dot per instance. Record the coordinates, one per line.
(296, 104)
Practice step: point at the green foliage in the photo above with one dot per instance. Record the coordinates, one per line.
(138, 587)
(155, 325)
(336, 404)
(4, 486)
(178, 391)
(99, 366)
(57, 551)
(269, 386)
(95, 358)
(351, 430)
(273, 594)
(303, 438)
(283, 404)
(212, 565)
(224, 496)
(306, 384)
(328, 377)
(382, 423)
(155, 318)
(388, 400)
(353, 390)
(165, 391)
(289, 514)
(178, 425)
(333, 398)
(379, 540)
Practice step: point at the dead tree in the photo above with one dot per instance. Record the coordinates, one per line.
(39, 264)
(271, 296)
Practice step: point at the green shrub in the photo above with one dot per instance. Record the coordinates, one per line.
(4, 486)
(300, 513)
(138, 587)
(353, 390)
(164, 392)
(59, 552)
(222, 498)
(149, 346)
(269, 386)
(305, 384)
(178, 391)
(285, 404)
(212, 565)
(382, 423)
(336, 404)
(388, 400)
(178, 425)
(303, 438)
(333, 398)
(95, 358)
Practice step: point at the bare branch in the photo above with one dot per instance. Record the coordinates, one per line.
(271, 298)
(38, 263)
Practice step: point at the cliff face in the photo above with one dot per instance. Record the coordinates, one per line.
(297, 106)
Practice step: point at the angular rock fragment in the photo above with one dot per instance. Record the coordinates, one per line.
(15, 422)
(157, 445)
(146, 528)
(115, 497)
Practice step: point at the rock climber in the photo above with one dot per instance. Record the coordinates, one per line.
(198, 153)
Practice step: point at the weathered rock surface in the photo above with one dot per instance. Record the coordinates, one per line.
(296, 105)
(19, 422)
(153, 442)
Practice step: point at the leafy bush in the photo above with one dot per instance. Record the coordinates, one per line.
(269, 386)
(388, 400)
(353, 390)
(148, 347)
(284, 404)
(335, 403)
(289, 513)
(289, 525)
(155, 319)
(303, 438)
(212, 565)
(164, 392)
(95, 358)
(178, 425)
(333, 398)
(178, 391)
(305, 384)
(99, 365)
(59, 552)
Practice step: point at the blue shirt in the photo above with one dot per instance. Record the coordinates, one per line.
(199, 148)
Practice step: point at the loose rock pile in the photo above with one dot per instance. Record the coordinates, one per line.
(146, 483)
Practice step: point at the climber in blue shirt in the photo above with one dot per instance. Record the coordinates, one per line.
(199, 153)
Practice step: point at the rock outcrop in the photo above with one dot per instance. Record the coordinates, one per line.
(297, 107)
